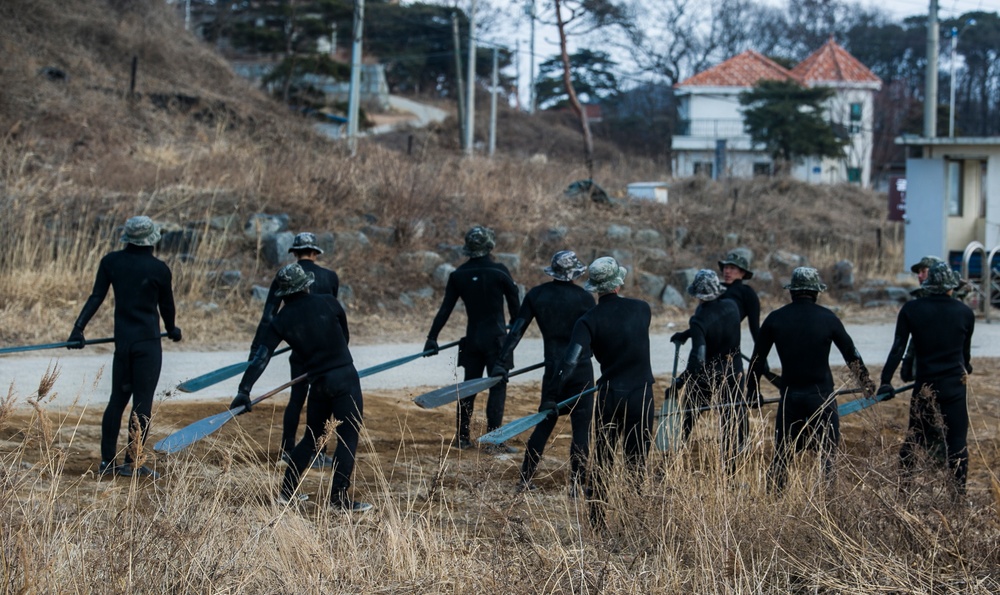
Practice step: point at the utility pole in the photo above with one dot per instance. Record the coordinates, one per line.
(955, 33)
(355, 95)
(470, 91)
(187, 15)
(533, 99)
(460, 91)
(931, 84)
(517, 74)
(493, 103)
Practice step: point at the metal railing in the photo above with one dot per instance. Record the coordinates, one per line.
(988, 280)
(711, 127)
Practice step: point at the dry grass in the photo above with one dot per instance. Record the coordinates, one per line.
(450, 522)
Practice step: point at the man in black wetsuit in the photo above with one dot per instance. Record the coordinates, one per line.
(735, 268)
(143, 294)
(715, 365)
(483, 285)
(315, 327)
(803, 332)
(616, 330)
(942, 329)
(326, 282)
(556, 306)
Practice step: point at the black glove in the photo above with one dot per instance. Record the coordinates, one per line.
(243, 399)
(76, 337)
(174, 334)
(906, 369)
(551, 407)
(886, 389)
(432, 346)
(500, 370)
(678, 338)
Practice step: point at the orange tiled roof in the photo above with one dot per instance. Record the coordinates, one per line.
(833, 64)
(742, 70)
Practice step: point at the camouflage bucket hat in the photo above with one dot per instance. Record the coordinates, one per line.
(706, 286)
(805, 279)
(141, 231)
(293, 279)
(479, 242)
(940, 278)
(739, 258)
(305, 241)
(565, 266)
(925, 263)
(606, 275)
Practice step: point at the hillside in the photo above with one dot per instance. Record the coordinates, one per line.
(201, 151)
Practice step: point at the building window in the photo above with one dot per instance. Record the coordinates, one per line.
(855, 112)
(954, 188)
(762, 169)
(703, 168)
(854, 175)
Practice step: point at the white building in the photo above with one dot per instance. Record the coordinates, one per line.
(711, 139)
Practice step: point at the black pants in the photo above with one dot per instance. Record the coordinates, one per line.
(475, 363)
(135, 370)
(941, 418)
(734, 421)
(626, 417)
(581, 415)
(293, 411)
(806, 419)
(337, 394)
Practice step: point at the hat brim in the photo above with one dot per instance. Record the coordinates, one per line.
(820, 288)
(746, 274)
(312, 247)
(608, 284)
(150, 239)
(570, 275)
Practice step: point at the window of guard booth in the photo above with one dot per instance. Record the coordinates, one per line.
(954, 188)
(703, 168)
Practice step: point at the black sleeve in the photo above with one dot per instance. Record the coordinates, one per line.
(900, 337)
(758, 360)
(511, 295)
(166, 301)
(100, 291)
(450, 299)
(260, 358)
(851, 355)
(271, 304)
(696, 360)
(335, 284)
(579, 342)
(967, 348)
(524, 317)
(753, 312)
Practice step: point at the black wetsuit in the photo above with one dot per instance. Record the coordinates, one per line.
(803, 333)
(315, 327)
(747, 301)
(942, 329)
(483, 286)
(715, 368)
(556, 306)
(617, 331)
(143, 294)
(326, 283)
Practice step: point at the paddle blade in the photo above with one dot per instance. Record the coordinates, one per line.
(866, 402)
(450, 394)
(668, 427)
(207, 380)
(512, 429)
(188, 435)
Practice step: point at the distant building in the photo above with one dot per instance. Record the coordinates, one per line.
(711, 139)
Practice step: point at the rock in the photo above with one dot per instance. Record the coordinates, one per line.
(880, 304)
(382, 235)
(555, 234)
(538, 159)
(209, 307)
(887, 293)
(325, 241)
(178, 240)
(680, 235)
(510, 260)
(451, 252)
(345, 295)
(651, 284)
(763, 276)
(619, 233)
(410, 298)
(222, 222)
(683, 277)
(851, 296)
(274, 248)
(406, 300)
(648, 237)
(424, 261)
(441, 274)
(350, 242)
(262, 224)
(672, 297)
(842, 275)
(226, 278)
(508, 240)
(900, 295)
(784, 260)
(731, 239)
(259, 294)
(624, 257)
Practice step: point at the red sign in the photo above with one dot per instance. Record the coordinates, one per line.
(897, 199)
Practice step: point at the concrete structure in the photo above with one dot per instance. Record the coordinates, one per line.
(654, 191)
(712, 141)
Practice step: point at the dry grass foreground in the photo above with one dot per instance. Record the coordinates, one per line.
(452, 522)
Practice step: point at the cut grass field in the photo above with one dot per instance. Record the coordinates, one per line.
(451, 521)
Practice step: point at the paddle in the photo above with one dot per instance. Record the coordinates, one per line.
(192, 433)
(58, 345)
(450, 394)
(217, 376)
(667, 428)
(522, 424)
(866, 402)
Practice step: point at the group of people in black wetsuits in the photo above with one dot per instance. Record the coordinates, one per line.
(302, 310)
